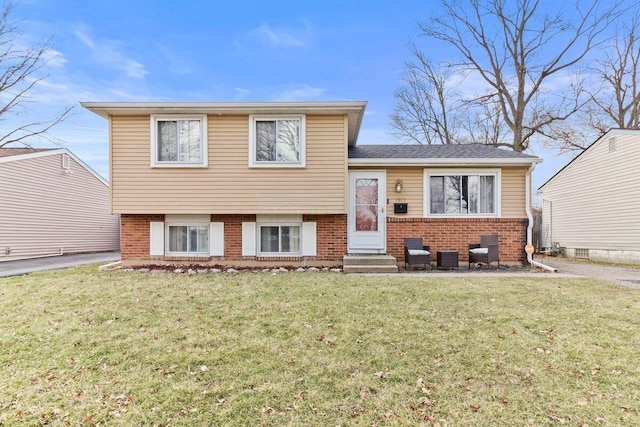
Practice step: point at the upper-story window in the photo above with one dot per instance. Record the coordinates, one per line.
(179, 141)
(277, 141)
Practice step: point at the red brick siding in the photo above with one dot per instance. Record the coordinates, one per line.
(134, 235)
(331, 235)
(439, 233)
(457, 233)
(233, 234)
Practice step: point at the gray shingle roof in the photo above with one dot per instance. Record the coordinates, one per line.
(457, 151)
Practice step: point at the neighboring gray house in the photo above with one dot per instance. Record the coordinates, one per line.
(591, 206)
(52, 203)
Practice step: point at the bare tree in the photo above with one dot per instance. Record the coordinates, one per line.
(21, 69)
(483, 123)
(572, 135)
(429, 109)
(517, 49)
(616, 102)
(426, 110)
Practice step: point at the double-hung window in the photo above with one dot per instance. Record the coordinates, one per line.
(453, 193)
(277, 141)
(179, 141)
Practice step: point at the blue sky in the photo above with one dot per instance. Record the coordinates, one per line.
(223, 51)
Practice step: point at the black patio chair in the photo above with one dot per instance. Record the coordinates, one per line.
(487, 251)
(416, 253)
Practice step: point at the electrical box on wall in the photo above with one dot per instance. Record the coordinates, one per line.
(400, 208)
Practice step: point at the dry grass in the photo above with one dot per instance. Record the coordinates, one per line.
(78, 347)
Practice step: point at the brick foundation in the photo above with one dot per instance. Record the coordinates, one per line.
(331, 235)
(233, 234)
(439, 233)
(331, 240)
(134, 235)
(457, 233)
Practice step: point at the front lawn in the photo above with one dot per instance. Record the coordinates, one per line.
(82, 347)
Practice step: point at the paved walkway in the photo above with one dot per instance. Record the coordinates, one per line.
(26, 266)
(566, 268)
(616, 274)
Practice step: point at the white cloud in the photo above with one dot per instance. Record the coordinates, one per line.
(123, 95)
(177, 64)
(300, 93)
(54, 58)
(241, 93)
(106, 52)
(284, 37)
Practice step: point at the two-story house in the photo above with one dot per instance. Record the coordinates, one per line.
(286, 182)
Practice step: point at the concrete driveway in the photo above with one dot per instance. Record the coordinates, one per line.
(615, 274)
(26, 266)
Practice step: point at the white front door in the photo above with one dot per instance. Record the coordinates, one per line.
(367, 218)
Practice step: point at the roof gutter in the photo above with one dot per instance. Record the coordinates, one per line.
(530, 226)
(354, 110)
(445, 162)
(105, 109)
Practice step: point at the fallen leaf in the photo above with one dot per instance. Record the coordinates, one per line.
(331, 341)
(553, 417)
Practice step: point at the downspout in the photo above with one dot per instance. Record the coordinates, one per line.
(530, 217)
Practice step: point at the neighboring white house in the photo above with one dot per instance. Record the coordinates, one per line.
(52, 203)
(591, 207)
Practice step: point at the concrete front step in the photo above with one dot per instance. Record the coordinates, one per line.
(370, 269)
(369, 264)
(368, 260)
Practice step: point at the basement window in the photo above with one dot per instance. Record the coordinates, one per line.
(582, 253)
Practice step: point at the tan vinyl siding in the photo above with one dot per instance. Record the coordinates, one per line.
(596, 199)
(412, 191)
(514, 192)
(45, 210)
(228, 184)
(513, 188)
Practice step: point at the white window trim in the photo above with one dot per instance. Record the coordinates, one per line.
(182, 221)
(203, 141)
(253, 163)
(440, 172)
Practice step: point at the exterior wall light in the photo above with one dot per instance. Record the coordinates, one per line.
(399, 186)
